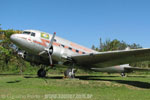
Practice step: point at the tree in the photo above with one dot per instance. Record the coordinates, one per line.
(7, 54)
(115, 44)
(93, 47)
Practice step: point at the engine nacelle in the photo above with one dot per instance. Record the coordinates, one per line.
(33, 58)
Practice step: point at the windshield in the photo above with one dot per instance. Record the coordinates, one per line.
(26, 32)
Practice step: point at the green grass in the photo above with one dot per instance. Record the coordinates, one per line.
(97, 87)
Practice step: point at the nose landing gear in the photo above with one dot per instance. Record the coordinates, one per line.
(41, 72)
(49, 50)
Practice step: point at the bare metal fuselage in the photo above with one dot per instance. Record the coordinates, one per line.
(36, 42)
(62, 49)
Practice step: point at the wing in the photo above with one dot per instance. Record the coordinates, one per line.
(136, 69)
(111, 58)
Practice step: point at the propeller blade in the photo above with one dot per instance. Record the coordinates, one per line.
(42, 52)
(48, 49)
(52, 40)
(50, 59)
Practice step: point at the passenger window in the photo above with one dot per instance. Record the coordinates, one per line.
(33, 34)
(77, 51)
(62, 45)
(70, 48)
(83, 52)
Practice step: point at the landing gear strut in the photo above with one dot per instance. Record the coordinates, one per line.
(123, 74)
(41, 72)
(70, 73)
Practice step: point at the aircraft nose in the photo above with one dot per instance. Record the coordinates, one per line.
(13, 37)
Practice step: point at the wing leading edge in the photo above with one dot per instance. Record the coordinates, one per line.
(111, 58)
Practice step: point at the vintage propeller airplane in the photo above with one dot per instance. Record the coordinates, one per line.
(44, 48)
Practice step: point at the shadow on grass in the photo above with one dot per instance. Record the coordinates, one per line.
(51, 77)
(139, 84)
(16, 81)
(15, 74)
(138, 76)
(145, 85)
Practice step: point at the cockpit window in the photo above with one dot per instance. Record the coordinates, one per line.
(26, 32)
(33, 34)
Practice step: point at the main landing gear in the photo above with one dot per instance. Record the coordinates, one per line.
(70, 73)
(123, 74)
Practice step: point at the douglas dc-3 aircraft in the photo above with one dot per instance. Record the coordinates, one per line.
(45, 48)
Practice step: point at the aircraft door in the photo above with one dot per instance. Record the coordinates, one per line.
(64, 52)
(29, 39)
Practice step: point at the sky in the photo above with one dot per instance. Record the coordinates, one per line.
(81, 21)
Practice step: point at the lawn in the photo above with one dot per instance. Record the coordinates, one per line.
(84, 87)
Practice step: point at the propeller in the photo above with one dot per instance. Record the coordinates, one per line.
(49, 49)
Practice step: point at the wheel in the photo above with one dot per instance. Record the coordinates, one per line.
(123, 74)
(69, 73)
(41, 73)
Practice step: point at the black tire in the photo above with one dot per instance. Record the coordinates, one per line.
(41, 73)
